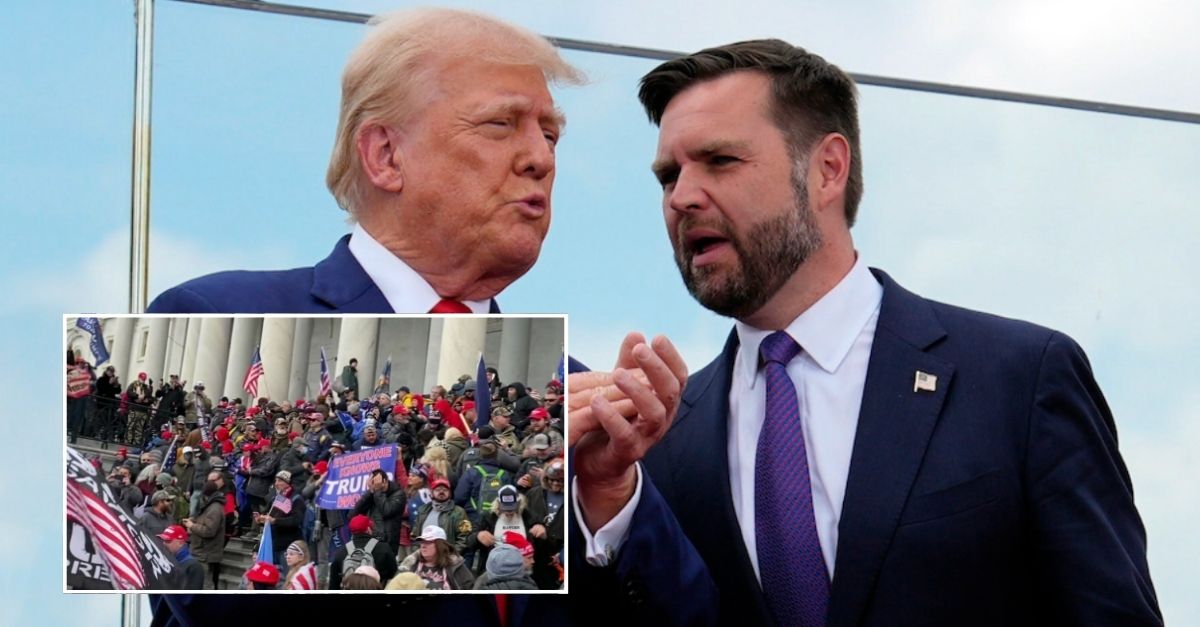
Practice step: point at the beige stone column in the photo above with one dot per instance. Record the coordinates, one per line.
(359, 340)
(277, 336)
(156, 350)
(241, 347)
(461, 343)
(297, 384)
(212, 356)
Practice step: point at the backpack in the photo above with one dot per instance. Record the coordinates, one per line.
(489, 487)
(356, 556)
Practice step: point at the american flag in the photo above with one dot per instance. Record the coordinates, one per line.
(250, 383)
(172, 452)
(305, 579)
(326, 383)
(282, 503)
(110, 536)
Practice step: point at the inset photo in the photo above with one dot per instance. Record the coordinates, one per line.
(315, 454)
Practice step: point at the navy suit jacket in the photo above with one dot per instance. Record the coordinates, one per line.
(338, 284)
(999, 498)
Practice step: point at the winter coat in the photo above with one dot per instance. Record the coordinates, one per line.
(466, 493)
(184, 474)
(454, 449)
(288, 526)
(544, 573)
(155, 523)
(171, 404)
(191, 570)
(386, 510)
(384, 556)
(189, 407)
(472, 456)
(293, 462)
(318, 443)
(202, 465)
(350, 380)
(208, 529)
(510, 440)
(522, 405)
(455, 523)
(262, 474)
(108, 390)
(488, 523)
(459, 574)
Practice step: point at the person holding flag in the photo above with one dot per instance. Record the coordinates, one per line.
(384, 384)
(285, 512)
(302, 572)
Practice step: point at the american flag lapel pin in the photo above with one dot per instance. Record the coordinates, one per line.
(925, 382)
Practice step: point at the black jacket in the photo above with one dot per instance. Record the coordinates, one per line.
(386, 510)
(384, 556)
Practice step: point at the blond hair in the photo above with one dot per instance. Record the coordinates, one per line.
(435, 456)
(406, 581)
(391, 75)
(294, 570)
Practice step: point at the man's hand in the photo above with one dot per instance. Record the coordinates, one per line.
(627, 412)
(485, 538)
(537, 531)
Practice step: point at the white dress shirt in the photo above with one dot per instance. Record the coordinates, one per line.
(835, 335)
(405, 290)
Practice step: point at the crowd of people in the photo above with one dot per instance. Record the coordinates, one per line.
(471, 504)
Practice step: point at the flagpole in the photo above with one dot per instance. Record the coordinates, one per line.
(139, 240)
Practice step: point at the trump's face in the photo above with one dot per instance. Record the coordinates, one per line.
(479, 165)
(737, 216)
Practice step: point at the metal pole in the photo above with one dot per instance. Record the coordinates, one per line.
(131, 610)
(139, 238)
(139, 219)
(656, 54)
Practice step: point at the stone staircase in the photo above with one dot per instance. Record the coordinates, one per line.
(239, 552)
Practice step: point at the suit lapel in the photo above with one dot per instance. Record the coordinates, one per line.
(894, 427)
(699, 462)
(342, 284)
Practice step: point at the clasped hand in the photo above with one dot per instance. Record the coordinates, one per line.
(616, 417)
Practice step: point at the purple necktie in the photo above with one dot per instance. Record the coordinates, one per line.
(792, 569)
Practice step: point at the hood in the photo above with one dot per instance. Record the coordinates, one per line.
(520, 388)
(505, 562)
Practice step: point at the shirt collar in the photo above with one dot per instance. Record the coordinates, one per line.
(405, 290)
(825, 331)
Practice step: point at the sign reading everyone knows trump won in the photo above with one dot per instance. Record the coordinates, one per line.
(350, 473)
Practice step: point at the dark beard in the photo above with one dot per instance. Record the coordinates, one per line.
(768, 255)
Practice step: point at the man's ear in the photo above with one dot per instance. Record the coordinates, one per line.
(831, 169)
(381, 157)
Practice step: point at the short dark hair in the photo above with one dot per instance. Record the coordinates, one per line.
(810, 96)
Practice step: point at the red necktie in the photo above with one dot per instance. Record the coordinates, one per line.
(502, 609)
(447, 306)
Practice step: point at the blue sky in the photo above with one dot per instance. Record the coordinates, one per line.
(1083, 222)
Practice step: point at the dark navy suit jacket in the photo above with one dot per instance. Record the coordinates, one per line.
(338, 284)
(997, 499)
